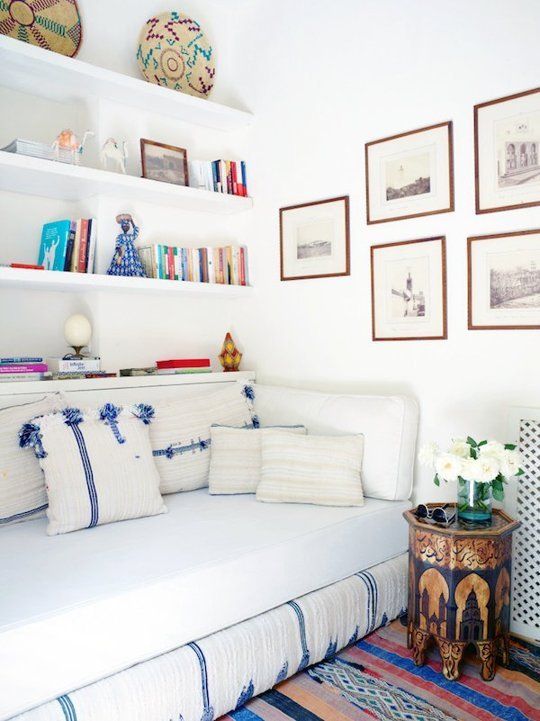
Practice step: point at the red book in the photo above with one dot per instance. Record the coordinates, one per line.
(26, 265)
(83, 247)
(184, 363)
(170, 262)
(234, 178)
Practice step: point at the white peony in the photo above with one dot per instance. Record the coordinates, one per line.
(483, 469)
(510, 463)
(428, 453)
(448, 466)
(460, 448)
(494, 449)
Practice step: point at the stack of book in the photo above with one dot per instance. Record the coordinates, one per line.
(220, 176)
(41, 150)
(175, 366)
(22, 368)
(227, 265)
(68, 245)
(75, 368)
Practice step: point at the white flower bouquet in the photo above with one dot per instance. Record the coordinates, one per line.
(481, 469)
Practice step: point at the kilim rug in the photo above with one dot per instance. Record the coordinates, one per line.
(376, 679)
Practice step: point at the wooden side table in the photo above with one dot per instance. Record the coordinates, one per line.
(459, 591)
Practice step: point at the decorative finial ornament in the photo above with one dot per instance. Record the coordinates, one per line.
(230, 356)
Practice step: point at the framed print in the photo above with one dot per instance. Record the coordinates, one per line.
(504, 280)
(507, 152)
(408, 290)
(314, 239)
(164, 162)
(410, 174)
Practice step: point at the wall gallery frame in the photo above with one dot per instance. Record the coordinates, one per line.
(504, 281)
(314, 239)
(165, 163)
(408, 290)
(410, 174)
(507, 152)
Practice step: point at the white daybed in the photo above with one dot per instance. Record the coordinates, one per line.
(173, 593)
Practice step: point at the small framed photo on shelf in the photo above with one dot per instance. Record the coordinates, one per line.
(507, 152)
(164, 162)
(314, 239)
(504, 281)
(408, 290)
(410, 174)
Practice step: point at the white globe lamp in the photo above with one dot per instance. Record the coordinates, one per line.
(77, 332)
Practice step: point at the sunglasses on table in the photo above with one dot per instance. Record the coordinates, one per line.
(440, 514)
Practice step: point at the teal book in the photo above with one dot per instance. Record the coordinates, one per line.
(54, 245)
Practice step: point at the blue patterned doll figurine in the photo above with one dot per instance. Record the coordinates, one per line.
(126, 260)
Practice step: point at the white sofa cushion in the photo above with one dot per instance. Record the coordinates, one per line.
(98, 466)
(22, 485)
(325, 470)
(180, 434)
(388, 423)
(235, 457)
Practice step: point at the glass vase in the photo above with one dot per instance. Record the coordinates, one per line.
(474, 502)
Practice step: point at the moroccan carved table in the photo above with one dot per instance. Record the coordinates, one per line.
(459, 591)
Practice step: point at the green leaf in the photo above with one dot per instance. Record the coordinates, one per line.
(497, 484)
(510, 446)
(437, 481)
(471, 442)
(498, 494)
(482, 443)
(520, 472)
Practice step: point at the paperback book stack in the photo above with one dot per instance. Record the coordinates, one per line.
(19, 146)
(22, 368)
(227, 266)
(176, 366)
(68, 245)
(219, 176)
(75, 368)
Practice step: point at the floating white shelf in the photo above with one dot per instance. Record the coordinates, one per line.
(30, 69)
(31, 279)
(97, 384)
(50, 179)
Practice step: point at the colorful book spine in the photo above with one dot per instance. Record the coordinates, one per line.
(21, 359)
(183, 363)
(54, 243)
(16, 368)
(92, 241)
(83, 247)
(19, 377)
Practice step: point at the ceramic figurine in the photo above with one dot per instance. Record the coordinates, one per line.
(68, 142)
(126, 260)
(230, 356)
(112, 150)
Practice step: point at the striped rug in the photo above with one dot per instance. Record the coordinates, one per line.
(376, 679)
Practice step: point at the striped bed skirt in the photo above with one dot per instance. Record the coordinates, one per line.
(217, 674)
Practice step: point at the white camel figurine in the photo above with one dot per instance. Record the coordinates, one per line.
(68, 141)
(111, 150)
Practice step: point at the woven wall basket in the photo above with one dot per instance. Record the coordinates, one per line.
(50, 24)
(174, 52)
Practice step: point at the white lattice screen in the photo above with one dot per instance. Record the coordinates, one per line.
(526, 562)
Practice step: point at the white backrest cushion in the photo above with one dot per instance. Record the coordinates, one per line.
(389, 425)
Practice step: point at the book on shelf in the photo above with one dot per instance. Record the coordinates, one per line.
(21, 359)
(73, 375)
(181, 371)
(68, 245)
(27, 266)
(21, 377)
(219, 176)
(19, 146)
(74, 365)
(151, 371)
(225, 265)
(22, 368)
(183, 363)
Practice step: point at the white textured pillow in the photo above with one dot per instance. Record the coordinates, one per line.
(235, 457)
(180, 434)
(325, 470)
(98, 466)
(22, 485)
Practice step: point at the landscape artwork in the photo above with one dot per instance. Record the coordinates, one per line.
(504, 280)
(165, 163)
(314, 239)
(408, 290)
(507, 152)
(410, 174)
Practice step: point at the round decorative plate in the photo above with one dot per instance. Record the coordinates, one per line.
(174, 52)
(51, 24)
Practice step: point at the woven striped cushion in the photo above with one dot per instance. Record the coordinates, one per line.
(325, 470)
(22, 485)
(180, 434)
(98, 466)
(235, 457)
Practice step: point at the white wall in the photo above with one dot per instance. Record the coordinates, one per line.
(128, 330)
(322, 80)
